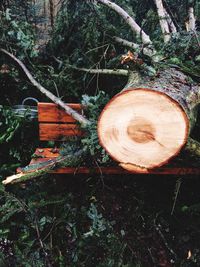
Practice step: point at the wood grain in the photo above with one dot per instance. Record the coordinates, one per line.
(49, 112)
(58, 132)
(142, 129)
(119, 171)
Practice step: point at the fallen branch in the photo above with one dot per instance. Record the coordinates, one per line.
(192, 20)
(148, 50)
(118, 72)
(163, 20)
(39, 169)
(25, 176)
(126, 43)
(128, 19)
(51, 96)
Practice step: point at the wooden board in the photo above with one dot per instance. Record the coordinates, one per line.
(119, 171)
(58, 132)
(48, 112)
(44, 154)
(55, 124)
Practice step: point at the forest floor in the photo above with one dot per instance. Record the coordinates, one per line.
(159, 215)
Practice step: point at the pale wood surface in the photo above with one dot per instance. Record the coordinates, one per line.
(142, 129)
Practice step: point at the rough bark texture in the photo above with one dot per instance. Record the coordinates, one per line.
(170, 97)
(45, 15)
(163, 20)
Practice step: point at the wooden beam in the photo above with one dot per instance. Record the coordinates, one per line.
(45, 154)
(58, 132)
(49, 112)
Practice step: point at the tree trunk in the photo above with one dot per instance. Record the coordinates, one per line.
(147, 124)
(45, 15)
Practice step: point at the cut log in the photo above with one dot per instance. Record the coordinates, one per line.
(144, 126)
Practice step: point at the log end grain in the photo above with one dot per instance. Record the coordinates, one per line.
(143, 129)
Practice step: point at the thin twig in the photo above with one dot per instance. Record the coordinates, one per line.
(157, 228)
(96, 48)
(177, 190)
(42, 245)
(117, 72)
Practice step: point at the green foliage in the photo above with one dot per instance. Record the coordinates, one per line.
(9, 124)
(98, 222)
(90, 142)
(55, 231)
(74, 43)
(19, 34)
(184, 46)
(183, 51)
(15, 136)
(93, 153)
(44, 223)
(61, 81)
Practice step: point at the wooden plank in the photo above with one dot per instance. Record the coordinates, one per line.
(86, 170)
(113, 170)
(49, 112)
(58, 132)
(47, 152)
(119, 171)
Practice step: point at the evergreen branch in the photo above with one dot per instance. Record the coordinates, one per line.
(40, 169)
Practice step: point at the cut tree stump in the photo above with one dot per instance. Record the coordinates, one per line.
(144, 126)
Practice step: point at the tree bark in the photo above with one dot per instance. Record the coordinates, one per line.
(148, 50)
(191, 22)
(163, 20)
(148, 123)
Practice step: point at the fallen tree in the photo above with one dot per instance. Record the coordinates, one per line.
(150, 120)
(147, 124)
